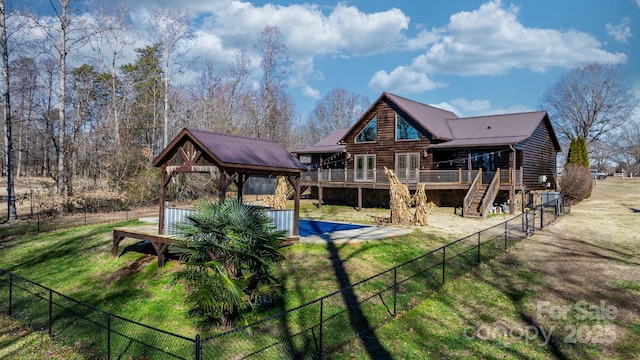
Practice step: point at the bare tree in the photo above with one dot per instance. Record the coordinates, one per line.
(171, 27)
(590, 101)
(8, 143)
(69, 33)
(629, 147)
(114, 39)
(338, 109)
(272, 108)
(25, 77)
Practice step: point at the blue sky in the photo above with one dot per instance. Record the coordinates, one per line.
(472, 57)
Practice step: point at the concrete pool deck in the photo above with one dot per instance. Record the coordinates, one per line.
(366, 233)
(360, 234)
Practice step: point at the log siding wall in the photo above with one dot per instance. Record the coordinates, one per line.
(539, 158)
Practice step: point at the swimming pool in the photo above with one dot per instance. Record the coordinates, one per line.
(316, 227)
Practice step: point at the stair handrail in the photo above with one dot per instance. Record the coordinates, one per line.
(491, 193)
(466, 203)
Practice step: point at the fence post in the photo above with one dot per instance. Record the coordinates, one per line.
(506, 234)
(533, 222)
(10, 292)
(395, 290)
(479, 247)
(50, 313)
(109, 336)
(526, 223)
(321, 326)
(542, 216)
(444, 259)
(198, 345)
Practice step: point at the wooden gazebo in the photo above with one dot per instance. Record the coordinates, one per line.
(235, 158)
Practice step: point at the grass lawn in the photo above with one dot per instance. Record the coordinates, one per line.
(77, 262)
(21, 342)
(569, 292)
(590, 255)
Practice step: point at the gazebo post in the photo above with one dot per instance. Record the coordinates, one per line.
(163, 197)
(296, 207)
(240, 185)
(295, 182)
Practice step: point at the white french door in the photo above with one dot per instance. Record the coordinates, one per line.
(365, 169)
(407, 166)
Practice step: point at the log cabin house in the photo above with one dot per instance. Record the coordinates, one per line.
(470, 163)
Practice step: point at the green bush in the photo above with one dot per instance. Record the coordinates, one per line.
(578, 154)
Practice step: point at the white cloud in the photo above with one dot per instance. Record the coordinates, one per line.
(473, 105)
(620, 32)
(307, 32)
(467, 108)
(403, 80)
(424, 38)
(311, 93)
(637, 2)
(491, 40)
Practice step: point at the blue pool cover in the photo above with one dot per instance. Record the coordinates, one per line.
(316, 227)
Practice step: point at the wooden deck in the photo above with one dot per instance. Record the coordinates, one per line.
(160, 242)
(144, 232)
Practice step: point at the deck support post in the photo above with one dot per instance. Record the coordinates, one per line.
(359, 198)
(512, 182)
(319, 197)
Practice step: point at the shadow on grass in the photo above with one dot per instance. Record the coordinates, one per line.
(357, 318)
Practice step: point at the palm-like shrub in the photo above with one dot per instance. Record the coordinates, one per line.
(229, 249)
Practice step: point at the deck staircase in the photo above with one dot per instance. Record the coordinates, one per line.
(292, 192)
(479, 201)
(475, 210)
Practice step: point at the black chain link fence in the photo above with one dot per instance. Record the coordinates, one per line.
(313, 330)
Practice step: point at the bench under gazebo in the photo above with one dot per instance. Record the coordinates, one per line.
(235, 158)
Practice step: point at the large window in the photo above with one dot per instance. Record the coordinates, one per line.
(408, 166)
(369, 133)
(404, 130)
(365, 169)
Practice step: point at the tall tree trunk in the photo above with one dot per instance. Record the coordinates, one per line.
(11, 200)
(165, 139)
(114, 100)
(62, 124)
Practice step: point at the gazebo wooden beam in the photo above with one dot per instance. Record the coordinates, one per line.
(295, 182)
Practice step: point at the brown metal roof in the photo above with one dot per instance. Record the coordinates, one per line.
(432, 119)
(236, 153)
(505, 129)
(480, 131)
(326, 145)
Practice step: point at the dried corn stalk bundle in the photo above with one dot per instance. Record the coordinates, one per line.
(420, 199)
(400, 203)
(279, 200)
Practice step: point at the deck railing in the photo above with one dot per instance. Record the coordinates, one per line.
(505, 176)
(466, 203)
(491, 193)
(316, 177)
